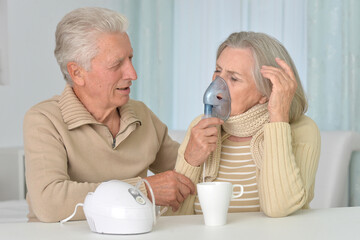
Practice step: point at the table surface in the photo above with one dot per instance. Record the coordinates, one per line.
(13, 211)
(331, 223)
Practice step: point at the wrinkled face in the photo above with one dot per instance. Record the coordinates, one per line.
(235, 66)
(111, 74)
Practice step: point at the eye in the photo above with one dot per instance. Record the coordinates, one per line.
(115, 67)
(234, 79)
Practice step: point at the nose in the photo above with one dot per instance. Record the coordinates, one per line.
(130, 73)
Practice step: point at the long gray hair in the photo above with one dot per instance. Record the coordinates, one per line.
(264, 50)
(77, 34)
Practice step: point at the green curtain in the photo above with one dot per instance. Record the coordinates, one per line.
(151, 35)
(333, 58)
(333, 80)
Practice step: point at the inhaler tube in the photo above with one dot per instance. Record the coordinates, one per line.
(207, 110)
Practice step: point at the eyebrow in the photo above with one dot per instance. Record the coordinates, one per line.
(231, 72)
(236, 73)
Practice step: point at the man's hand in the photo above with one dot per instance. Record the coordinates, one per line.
(170, 188)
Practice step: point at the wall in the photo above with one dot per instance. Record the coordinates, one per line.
(33, 71)
(34, 74)
(3, 43)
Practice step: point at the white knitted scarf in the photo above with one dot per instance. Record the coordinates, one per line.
(248, 124)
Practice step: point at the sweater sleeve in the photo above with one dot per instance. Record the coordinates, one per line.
(193, 173)
(287, 177)
(168, 148)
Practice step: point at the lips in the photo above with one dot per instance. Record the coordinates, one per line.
(126, 88)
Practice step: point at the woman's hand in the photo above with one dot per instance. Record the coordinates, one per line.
(283, 90)
(202, 141)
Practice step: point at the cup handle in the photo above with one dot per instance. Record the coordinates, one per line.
(241, 190)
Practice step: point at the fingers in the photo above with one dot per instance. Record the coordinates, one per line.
(285, 67)
(277, 77)
(171, 188)
(206, 130)
(279, 74)
(208, 122)
(188, 185)
(199, 131)
(185, 188)
(282, 78)
(274, 74)
(283, 90)
(202, 141)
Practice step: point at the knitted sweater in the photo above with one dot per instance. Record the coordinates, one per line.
(68, 153)
(286, 178)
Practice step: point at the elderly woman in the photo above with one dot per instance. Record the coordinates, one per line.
(93, 132)
(268, 145)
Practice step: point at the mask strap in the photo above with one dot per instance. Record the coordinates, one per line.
(73, 214)
(151, 193)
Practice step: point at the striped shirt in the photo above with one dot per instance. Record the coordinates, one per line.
(238, 167)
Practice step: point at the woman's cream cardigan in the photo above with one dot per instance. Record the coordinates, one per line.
(286, 178)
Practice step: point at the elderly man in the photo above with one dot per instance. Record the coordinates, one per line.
(93, 132)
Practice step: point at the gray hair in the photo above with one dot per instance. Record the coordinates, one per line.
(264, 50)
(77, 34)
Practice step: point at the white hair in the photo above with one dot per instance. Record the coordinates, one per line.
(77, 34)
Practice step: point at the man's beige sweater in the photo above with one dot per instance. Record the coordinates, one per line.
(68, 153)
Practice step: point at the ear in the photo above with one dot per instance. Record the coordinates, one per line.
(263, 100)
(76, 73)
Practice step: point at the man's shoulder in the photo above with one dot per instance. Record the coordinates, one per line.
(49, 106)
(138, 105)
(139, 108)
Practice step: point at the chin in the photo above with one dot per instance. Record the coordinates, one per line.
(123, 102)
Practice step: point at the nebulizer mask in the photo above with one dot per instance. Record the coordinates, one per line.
(217, 101)
(116, 207)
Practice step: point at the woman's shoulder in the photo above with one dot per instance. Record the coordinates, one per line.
(304, 122)
(305, 129)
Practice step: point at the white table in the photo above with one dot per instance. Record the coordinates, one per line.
(332, 223)
(13, 211)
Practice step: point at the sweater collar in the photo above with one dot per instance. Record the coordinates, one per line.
(75, 114)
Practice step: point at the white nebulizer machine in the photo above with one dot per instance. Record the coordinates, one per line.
(116, 207)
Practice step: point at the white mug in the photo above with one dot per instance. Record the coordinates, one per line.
(214, 199)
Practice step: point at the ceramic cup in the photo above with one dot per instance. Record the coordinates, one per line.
(215, 198)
